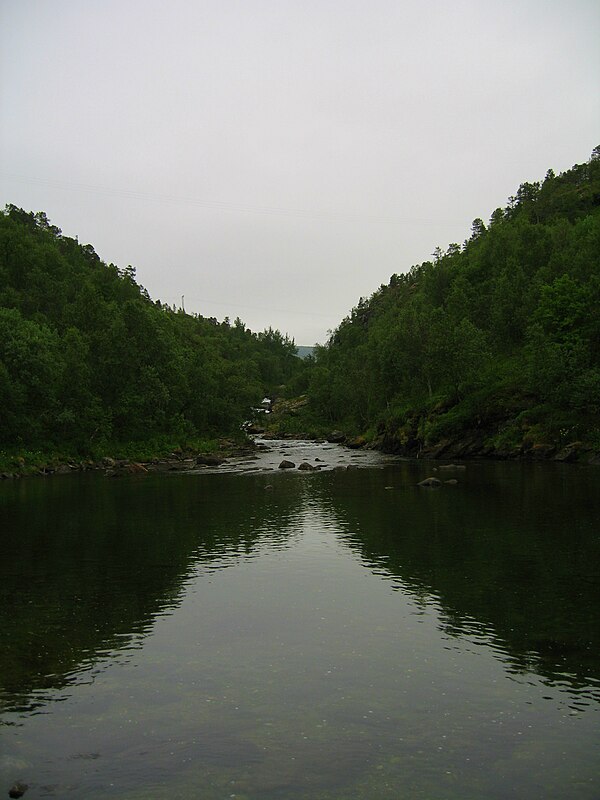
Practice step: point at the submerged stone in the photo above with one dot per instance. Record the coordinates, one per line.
(430, 483)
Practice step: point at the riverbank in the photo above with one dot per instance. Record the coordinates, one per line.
(499, 439)
(129, 458)
(219, 453)
(262, 454)
(472, 444)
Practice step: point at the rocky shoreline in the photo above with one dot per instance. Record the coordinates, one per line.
(469, 445)
(178, 461)
(472, 445)
(500, 439)
(466, 447)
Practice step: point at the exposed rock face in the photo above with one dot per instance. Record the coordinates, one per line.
(483, 443)
(540, 452)
(62, 469)
(254, 429)
(288, 407)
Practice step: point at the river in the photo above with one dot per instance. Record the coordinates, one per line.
(337, 634)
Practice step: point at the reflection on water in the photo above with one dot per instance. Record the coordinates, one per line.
(512, 555)
(88, 563)
(320, 635)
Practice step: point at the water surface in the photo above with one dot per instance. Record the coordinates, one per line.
(263, 634)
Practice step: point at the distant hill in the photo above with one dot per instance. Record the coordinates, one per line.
(304, 352)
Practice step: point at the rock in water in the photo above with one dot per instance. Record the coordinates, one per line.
(209, 461)
(430, 483)
(18, 789)
(287, 465)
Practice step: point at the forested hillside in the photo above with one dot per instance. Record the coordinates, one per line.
(88, 362)
(491, 348)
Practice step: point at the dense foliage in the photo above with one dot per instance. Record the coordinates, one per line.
(499, 337)
(495, 342)
(88, 361)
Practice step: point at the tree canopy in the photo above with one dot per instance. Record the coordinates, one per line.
(496, 340)
(88, 359)
(499, 337)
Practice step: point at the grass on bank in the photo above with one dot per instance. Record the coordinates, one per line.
(23, 461)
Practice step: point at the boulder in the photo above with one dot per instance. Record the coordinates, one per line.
(287, 465)
(430, 483)
(541, 451)
(356, 443)
(569, 452)
(209, 461)
(307, 467)
(125, 468)
(336, 437)
(136, 468)
(507, 451)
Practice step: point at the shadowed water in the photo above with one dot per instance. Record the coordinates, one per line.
(266, 634)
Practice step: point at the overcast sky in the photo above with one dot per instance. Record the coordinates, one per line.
(276, 160)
